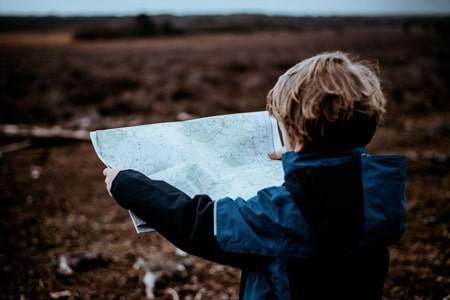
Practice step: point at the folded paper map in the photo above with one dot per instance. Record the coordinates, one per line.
(220, 156)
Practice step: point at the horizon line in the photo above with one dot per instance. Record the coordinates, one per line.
(193, 14)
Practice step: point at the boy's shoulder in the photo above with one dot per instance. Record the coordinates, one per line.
(268, 224)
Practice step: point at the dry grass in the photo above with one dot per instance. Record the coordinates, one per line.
(35, 39)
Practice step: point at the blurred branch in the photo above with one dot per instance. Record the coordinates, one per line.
(14, 146)
(26, 131)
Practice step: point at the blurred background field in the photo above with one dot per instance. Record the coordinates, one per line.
(95, 73)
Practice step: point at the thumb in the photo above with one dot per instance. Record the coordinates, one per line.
(277, 155)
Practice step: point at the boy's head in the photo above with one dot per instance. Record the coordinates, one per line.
(328, 102)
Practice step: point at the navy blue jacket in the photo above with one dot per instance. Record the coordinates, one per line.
(323, 234)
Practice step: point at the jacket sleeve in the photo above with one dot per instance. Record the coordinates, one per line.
(186, 222)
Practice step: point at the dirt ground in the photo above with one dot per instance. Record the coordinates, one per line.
(53, 203)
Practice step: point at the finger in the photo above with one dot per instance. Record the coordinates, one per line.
(105, 171)
(275, 155)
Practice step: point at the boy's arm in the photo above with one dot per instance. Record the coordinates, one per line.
(186, 222)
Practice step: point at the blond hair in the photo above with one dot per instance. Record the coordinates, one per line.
(324, 95)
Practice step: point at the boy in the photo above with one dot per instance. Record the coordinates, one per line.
(323, 234)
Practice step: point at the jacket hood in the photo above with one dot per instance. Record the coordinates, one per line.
(383, 179)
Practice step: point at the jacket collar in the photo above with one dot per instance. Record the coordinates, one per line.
(292, 160)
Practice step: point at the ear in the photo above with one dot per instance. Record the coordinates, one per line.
(299, 147)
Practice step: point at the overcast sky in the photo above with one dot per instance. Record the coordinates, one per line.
(181, 7)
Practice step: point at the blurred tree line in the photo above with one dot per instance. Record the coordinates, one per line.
(146, 26)
(141, 26)
(96, 27)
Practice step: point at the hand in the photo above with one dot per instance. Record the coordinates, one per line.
(277, 155)
(110, 174)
